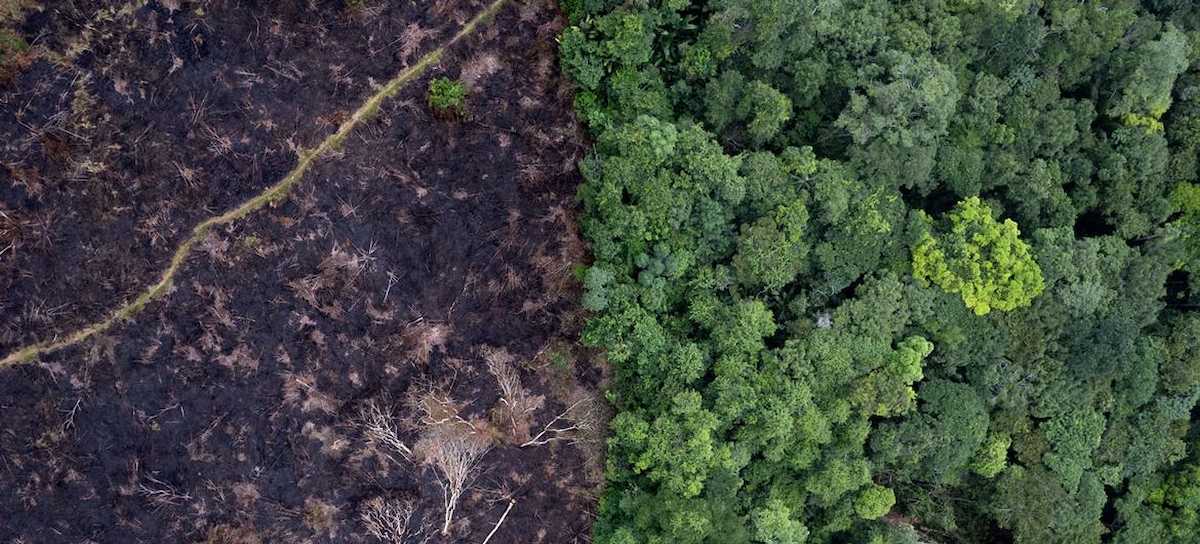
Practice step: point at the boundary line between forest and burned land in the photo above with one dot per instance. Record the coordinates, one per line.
(271, 194)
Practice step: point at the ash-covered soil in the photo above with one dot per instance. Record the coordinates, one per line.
(135, 123)
(419, 282)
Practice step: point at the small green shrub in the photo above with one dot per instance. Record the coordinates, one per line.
(11, 48)
(447, 97)
(560, 359)
(10, 44)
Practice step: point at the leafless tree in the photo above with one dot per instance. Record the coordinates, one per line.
(504, 516)
(454, 451)
(161, 493)
(380, 428)
(580, 419)
(391, 521)
(516, 404)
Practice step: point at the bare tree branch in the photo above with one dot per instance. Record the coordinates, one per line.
(454, 451)
(579, 417)
(516, 404)
(511, 503)
(389, 520)
(380, 428)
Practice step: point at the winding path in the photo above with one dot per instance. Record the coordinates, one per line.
(271, 194)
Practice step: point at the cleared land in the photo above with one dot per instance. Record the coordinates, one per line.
(400, 286)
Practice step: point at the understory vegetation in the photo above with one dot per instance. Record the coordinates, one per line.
(894, 272)
(446, 97)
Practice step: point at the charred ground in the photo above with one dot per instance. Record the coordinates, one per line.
(425, 253)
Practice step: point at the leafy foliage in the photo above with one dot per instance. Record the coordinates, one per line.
(801, 352)
(447, 97)
(10, 44)
(981, 259)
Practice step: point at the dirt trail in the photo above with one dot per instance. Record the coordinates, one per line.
(272, 194)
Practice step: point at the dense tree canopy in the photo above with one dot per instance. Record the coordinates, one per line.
(894, 271)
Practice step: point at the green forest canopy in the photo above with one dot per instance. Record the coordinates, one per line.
(879, 271)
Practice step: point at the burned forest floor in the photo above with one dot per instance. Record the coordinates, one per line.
(387, 339)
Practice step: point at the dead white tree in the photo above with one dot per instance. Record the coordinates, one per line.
(454, 451)
(391, 521)
(579, 419)
(161, 493)
(380, 428)
(516, 404)
(504, 516)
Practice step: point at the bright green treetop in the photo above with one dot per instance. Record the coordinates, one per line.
(874, 502)
(981, 259)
